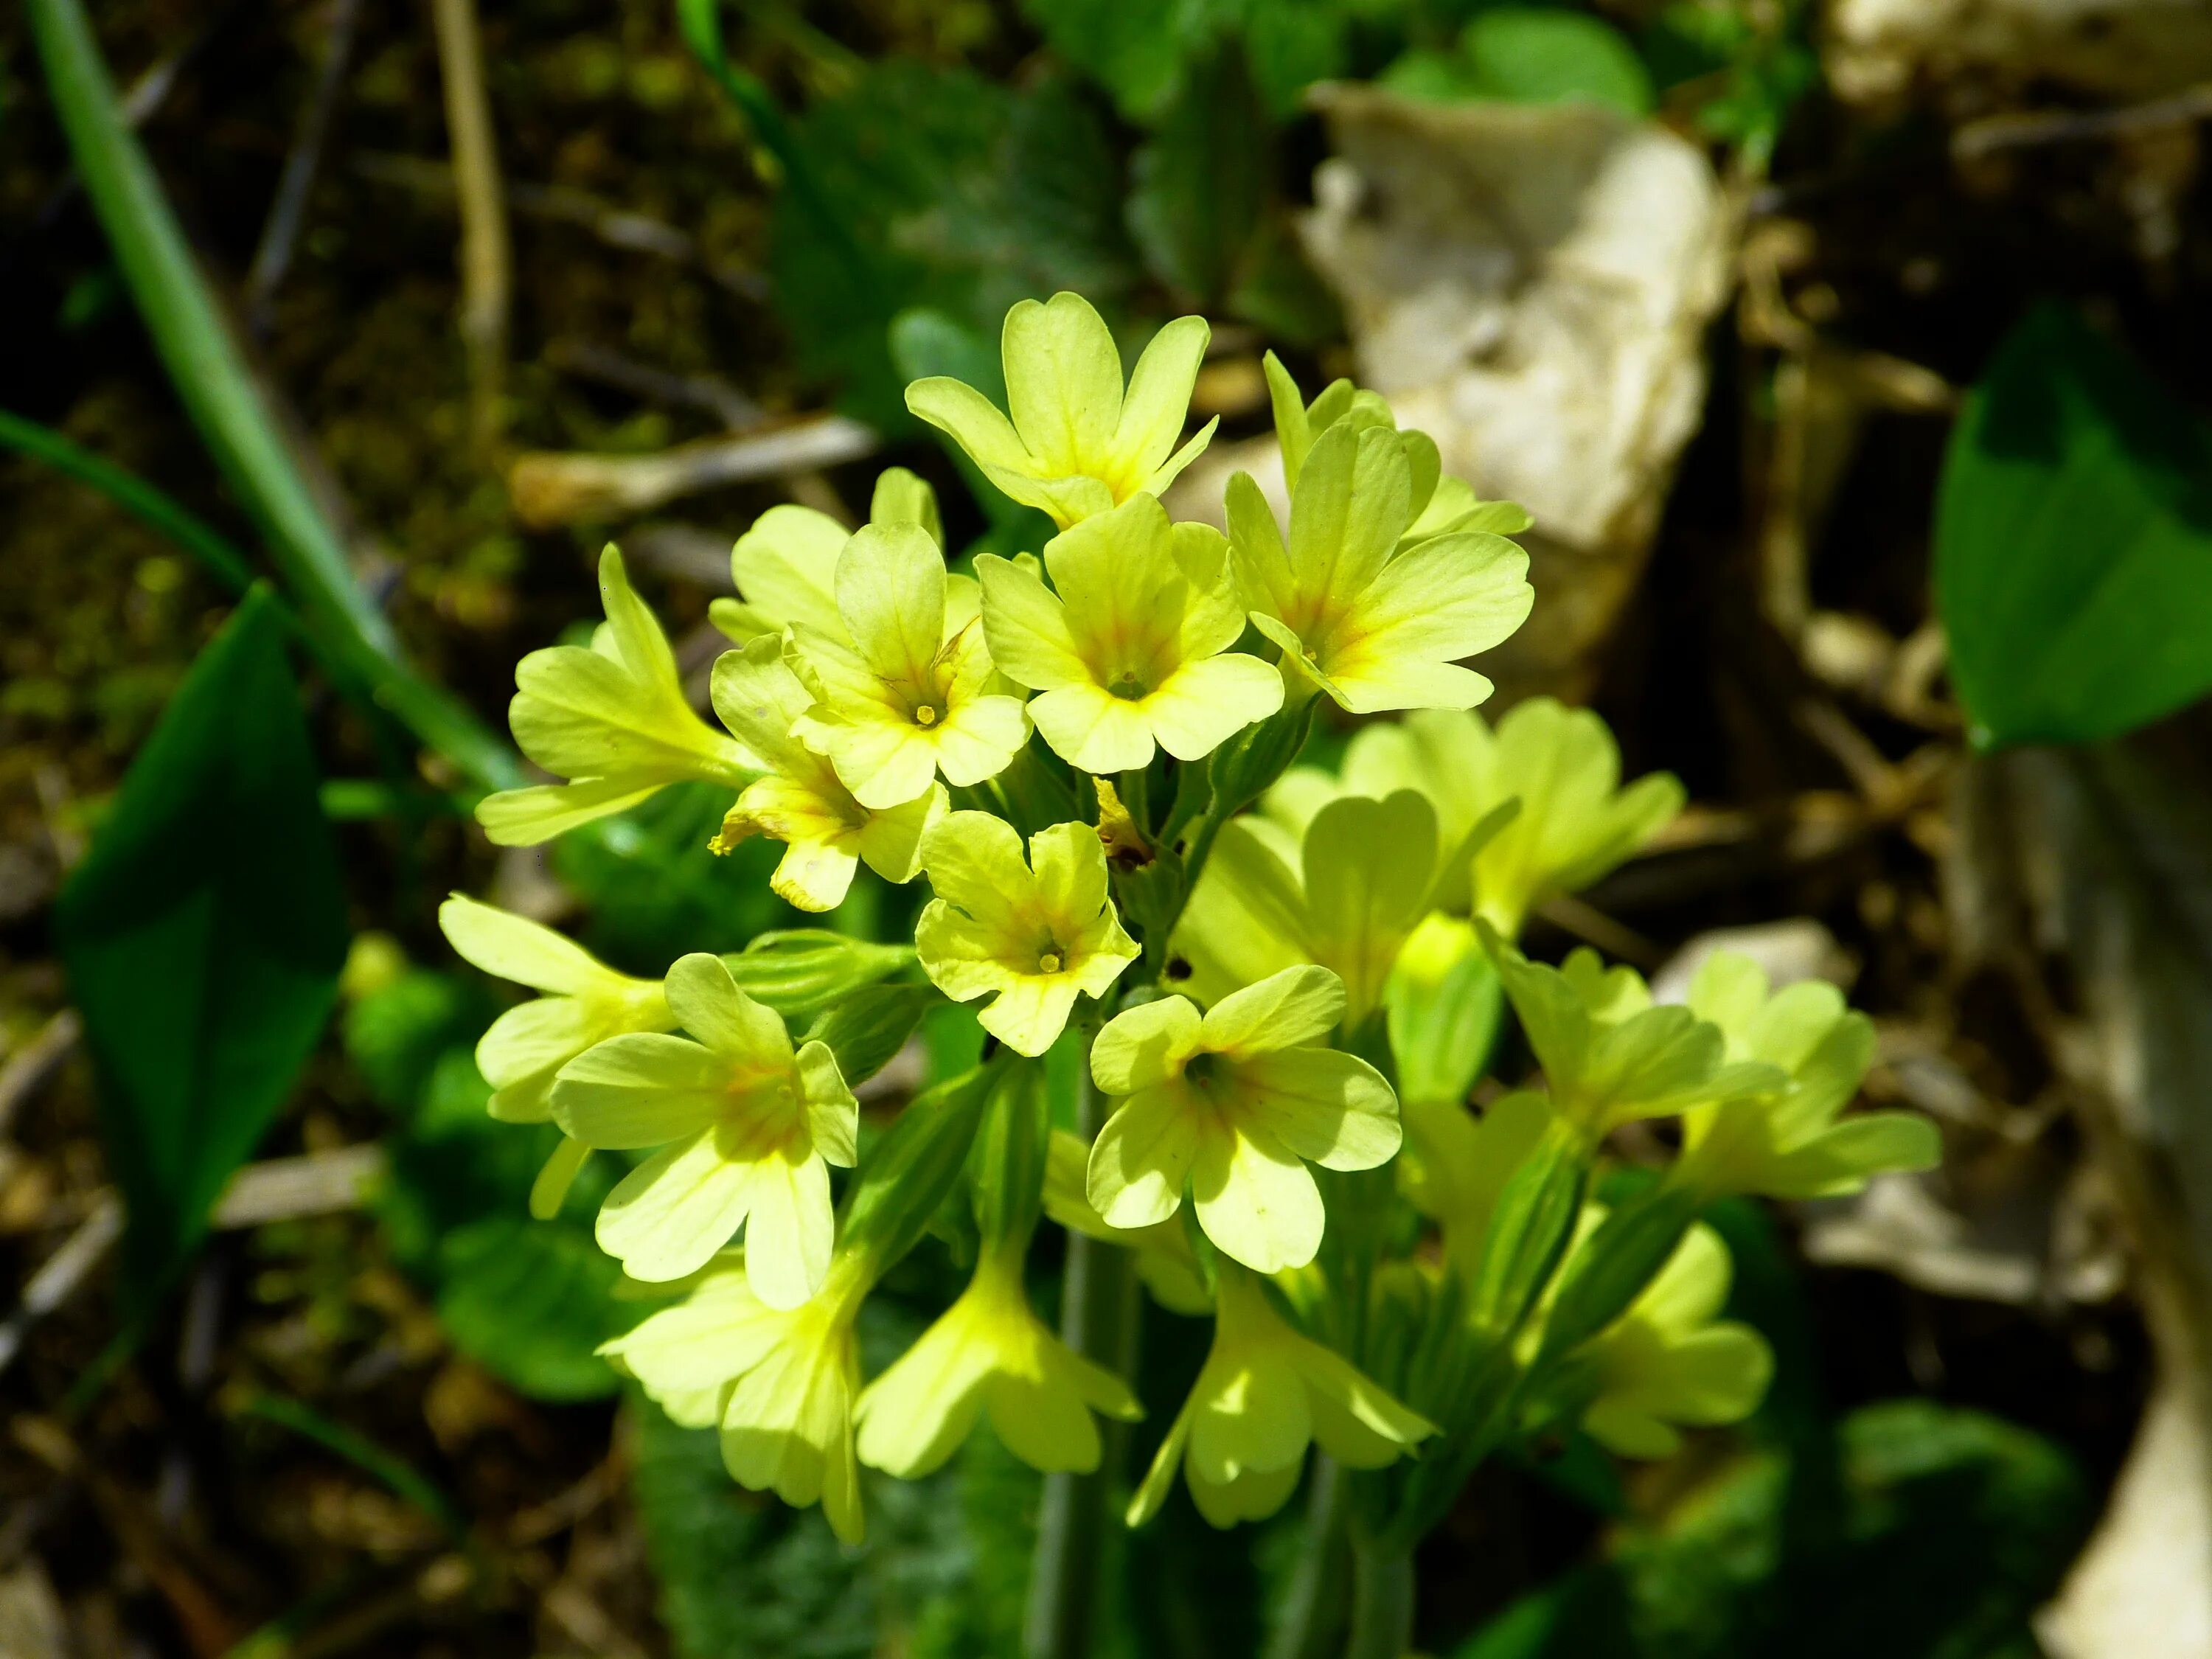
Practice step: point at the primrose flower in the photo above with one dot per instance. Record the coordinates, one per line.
(800, 800)
(1608, 1055)
(1076, 445)
(753, 1126)
(1132, 648)
(1236, 1102)
(778, 1382)
(1456, 1164)
(1345, 895)
(1573, 823)
(586, 1002)
(989, 1354)
(1375, 626)
(1037, 931)
(1791, 1144)
(1164, 1261)
(899, 698)
(611, 719)
(1671, 1359)
(1264, 1394)
(1440, 505)
(786, 566)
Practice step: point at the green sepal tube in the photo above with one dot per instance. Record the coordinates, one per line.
(800, 971)
(1444, 1001)
(912, 1168)
(866, 1027)
(1529, 1230)
(1009, 1158)
(1615, 1265)
(1245, 768)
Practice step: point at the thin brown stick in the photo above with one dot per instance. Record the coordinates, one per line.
(487, 258)
(2018, 131)
(558, 488)
(288, 209)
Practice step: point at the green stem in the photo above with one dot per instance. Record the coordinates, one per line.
(1381, 1601)
(1313, 1605)
(1097, 1320)
(219, 394)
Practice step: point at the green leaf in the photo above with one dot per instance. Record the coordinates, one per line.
(1529, 55)
(1949, 1529)
(942, 1573)
(1200, 180)
(968, 196)
(203, 935)
(1135, 49)
(531, 1301)
(1533, 55)
(2073, 543)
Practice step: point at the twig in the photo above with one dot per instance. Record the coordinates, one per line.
(1992, 133)
(552, 489)
(287, 210)
(281, 1189)
(291, 1189)
(30, 1067)
(487, 260)
(617, 227)
(685, 551)
(60, 1274)
(710, 392)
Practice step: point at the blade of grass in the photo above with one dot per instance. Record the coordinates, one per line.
(148, 505)
(364, 1454)
(218, 392)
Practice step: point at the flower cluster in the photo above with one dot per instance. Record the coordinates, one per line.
(1281, 981)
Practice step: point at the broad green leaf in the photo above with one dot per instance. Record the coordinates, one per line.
(1528, 54)
(1138, 50)
(1536, 55)
(203, 935)
(2073, 543)
(941, 1575)
(1199, 183)
(1947, 1531)
(968, 196)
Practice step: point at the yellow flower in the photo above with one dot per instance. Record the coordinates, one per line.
(611, 719)
(753, 1128)
(1440, 505)
(1608, 1055)
(1076, 445)
(1793, 1143)
(1573, 823)
(1264, 1394)
(585, 1003)
(1164, 1261)
(1133, 647)
(799, 801)
(786, 566)
(1456, 1165)
(778, 1382)
(1235, 1101)
(900, 699)
(989, 1354)
(1375, 626)
(1345, 895)
(1671, 1359)
(1036, 937)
